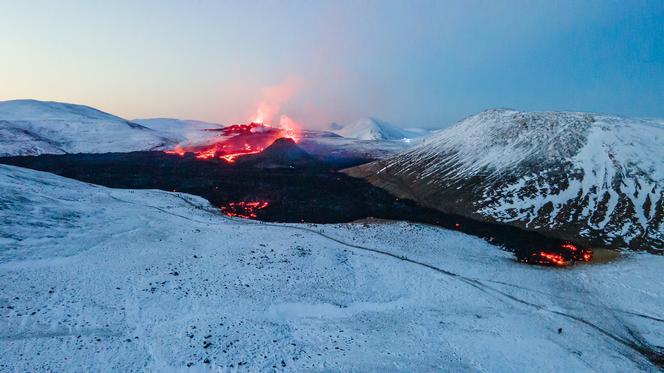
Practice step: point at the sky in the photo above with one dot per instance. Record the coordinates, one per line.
(412, 63)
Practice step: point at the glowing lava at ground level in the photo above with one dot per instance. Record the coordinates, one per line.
(245, 210)
(238, 140)
(286, 194)
(563, 255)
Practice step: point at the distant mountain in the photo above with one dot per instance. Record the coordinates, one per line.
(182, 130)
(373, 129)
(334, 126)
(594, 178)
(30, 127)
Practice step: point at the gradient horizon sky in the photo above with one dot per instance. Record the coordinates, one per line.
(412, 63)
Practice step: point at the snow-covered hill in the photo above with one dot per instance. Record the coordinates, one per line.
(184, 131)
(373, 129)
(595, 178)
(30, 127)
(98, 279)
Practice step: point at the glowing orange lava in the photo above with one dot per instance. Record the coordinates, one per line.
(563, 255)
(240, 139)
(178, 150)
(246, 210)
(554, 258)
(569, 246)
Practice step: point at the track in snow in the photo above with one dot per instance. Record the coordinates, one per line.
(654, 354)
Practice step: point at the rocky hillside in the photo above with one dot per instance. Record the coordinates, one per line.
(594, 178)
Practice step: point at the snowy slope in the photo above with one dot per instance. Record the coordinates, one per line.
(373, 129)
(342, 147)
(595, 177)
(15, 140)
(30, 127)
(98, 279)
(184, 131)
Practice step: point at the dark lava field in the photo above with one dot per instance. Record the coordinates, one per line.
(283, 184)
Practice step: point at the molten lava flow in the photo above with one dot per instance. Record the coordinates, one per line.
(239, 140)
(553, 258)
(563, 255)
(244, 129)
(569, 246)
(230, 158)
(246, 210)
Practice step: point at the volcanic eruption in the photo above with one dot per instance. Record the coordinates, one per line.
(237, 140)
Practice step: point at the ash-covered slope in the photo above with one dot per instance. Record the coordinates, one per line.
(31, 127)
(589, 177)
(373, 129)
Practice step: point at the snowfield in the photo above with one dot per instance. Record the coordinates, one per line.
(31, 127)
(99, 279)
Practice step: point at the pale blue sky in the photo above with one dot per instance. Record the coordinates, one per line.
(413, 63)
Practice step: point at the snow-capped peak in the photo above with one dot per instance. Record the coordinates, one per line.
(374, 129)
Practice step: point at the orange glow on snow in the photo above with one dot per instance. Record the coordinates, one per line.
(178, 150)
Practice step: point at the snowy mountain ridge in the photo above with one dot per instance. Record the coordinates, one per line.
(597, 176)
(373, 129)
(34, 110)
(31, 127)
(184, 131)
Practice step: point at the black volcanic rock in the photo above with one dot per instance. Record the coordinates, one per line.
(295, 192)
(283, 152)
